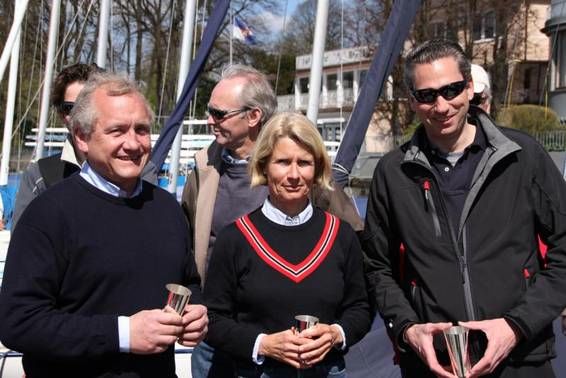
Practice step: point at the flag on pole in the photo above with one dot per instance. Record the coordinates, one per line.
(242, 31)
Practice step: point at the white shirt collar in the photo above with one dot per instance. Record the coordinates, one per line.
(99, 182)
(68, 153)
(228, 158)
(277, 216)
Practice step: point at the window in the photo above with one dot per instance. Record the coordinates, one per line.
(559, 61)
(489, 25)
(348, 80)
(438, 30)
(304, 84)
(331, 82)
(527, 78)
(484, 26)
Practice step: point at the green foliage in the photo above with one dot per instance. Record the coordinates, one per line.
(410, 129)
(529, 118)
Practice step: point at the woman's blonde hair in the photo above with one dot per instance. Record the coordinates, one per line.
(302, 131)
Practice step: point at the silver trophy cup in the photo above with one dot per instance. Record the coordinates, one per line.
(303, 322)
(178, 297)
(457, 341)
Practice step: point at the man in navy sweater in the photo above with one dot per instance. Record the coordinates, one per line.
(84, 286)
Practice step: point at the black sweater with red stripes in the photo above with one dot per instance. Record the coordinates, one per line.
(314, 268)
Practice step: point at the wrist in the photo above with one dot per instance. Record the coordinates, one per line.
(262, 350)
(405, 336)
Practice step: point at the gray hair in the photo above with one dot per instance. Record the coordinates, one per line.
(84, 113)
(257, 92)
(432, 50)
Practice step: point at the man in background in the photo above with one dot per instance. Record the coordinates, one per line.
(49, 170)
(482, 88)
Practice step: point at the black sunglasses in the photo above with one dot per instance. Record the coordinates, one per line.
(429, 95)
(219, 114)
(65, 107)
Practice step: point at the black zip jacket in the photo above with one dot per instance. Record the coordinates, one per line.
(421, 269)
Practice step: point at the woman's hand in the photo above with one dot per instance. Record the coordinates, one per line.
(282, 346)
(320, 339)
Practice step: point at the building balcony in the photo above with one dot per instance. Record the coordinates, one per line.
(328, 100)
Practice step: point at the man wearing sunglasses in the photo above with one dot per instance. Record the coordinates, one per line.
(52, 169)
(218, 190)
(451, 231)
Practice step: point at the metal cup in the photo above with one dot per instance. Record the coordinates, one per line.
(178, 297)
(303, 322)
(457, 341)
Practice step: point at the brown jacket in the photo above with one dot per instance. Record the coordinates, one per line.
(199, 195)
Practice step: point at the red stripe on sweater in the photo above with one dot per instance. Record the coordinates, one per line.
(295, 272)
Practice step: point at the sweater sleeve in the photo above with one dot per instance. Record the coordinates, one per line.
(381, 244)
(224, 332)
(355, 319)
(31, 316)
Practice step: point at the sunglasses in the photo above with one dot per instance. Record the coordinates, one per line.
(219, 114)
(65, 107)
(448, 92)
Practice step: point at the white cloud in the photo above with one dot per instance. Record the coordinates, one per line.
(272, 21)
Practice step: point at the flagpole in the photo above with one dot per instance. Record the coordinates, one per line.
(10, 103)
(184, 64)
(102, 45)
(48, 77)
(317, 59)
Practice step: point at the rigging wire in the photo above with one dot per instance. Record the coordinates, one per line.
(280, 53)
(164, 77)
(43, 79)
(195, 97)
(341, 102)
(193, 103)
(111, 40)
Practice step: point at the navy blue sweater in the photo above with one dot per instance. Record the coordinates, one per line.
(80, 258)
(247, 296)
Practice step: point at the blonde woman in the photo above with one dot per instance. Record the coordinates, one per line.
(284, 259)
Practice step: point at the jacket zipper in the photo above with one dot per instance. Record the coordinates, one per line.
(460, 253)
(430, 204)
(466, 278)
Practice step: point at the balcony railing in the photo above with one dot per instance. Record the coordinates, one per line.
(552, 140)
(332, 99)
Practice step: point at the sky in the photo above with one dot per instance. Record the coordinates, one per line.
(276, 21)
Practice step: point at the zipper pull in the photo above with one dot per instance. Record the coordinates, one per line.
(426, 188)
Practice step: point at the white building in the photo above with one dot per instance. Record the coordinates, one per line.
(344, 72)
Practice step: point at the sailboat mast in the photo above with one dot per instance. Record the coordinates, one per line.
(19, 13)
(317, 59)
(48, 77)
(102, 45)
(10, 104)
(184, 64)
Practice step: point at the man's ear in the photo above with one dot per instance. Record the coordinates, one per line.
(81, 140)
(254, 117)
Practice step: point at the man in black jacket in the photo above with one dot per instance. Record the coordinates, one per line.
(51, 169)
(451, 231)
